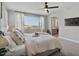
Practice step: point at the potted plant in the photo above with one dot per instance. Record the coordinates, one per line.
(3, 51)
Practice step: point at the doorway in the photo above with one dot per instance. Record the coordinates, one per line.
(54, 26)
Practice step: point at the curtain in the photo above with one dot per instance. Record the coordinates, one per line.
(4, 20)
(15, 20)
(42, 24)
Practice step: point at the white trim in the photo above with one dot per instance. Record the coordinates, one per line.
(67, 39)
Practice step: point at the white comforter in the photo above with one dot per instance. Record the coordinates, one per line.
(41, 43)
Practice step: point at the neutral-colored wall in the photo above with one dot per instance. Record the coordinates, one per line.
(69, 33)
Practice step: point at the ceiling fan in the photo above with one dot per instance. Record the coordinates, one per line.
(46, 7)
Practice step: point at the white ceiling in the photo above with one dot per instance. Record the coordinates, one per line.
(35, 7)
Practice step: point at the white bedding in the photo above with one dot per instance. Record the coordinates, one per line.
(41, 43)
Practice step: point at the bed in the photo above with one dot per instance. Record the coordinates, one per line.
(40, 43)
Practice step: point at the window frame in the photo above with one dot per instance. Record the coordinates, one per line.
(33, 15)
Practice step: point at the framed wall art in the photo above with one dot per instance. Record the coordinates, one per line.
(72, 21)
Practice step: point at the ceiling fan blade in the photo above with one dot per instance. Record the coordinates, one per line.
(53, 7)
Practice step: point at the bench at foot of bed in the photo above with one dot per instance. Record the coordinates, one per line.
(49, 52)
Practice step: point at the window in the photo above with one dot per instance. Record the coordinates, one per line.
(26, 22)
(31, 23)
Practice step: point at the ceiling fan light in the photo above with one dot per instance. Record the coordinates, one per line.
(45, 9)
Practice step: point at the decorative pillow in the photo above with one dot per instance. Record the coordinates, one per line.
(20, 31)
(20, 34)
(16, 38)
(3, 42)
(12, 44)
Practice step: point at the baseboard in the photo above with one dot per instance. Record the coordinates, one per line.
(68, 39)
(69, 46)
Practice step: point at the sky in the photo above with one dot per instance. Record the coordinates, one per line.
(30, 20)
